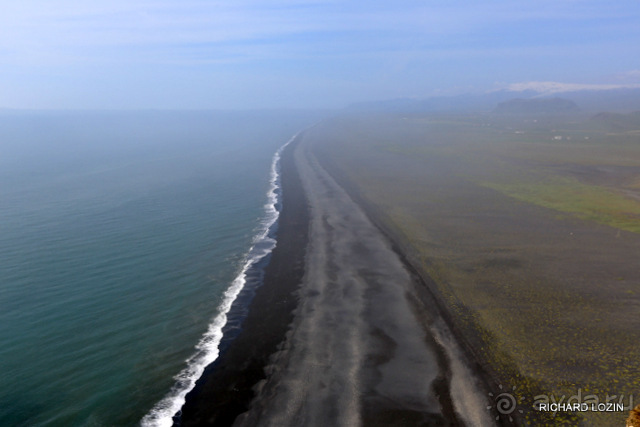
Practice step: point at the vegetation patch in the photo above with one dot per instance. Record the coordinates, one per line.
(547, 303)
(588, 202)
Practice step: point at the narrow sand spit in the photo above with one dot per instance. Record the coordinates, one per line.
(357, 352)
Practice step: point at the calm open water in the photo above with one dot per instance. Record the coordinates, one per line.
(119, 234)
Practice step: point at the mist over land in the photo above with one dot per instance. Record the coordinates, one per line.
(518, 228)
(291, 212)
(527, 226)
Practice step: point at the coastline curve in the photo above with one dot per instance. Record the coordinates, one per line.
(208, 348)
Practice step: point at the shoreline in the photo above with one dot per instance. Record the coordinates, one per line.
(460, 345)
(226, 387)
(395, 291)
(344, 347)
(463, 342)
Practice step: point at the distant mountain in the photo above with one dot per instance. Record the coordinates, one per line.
(458, 103)
(537, 106)
(618, 122)
(616, 100)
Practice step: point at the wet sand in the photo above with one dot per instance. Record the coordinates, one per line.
(360, 347)
(226, 388)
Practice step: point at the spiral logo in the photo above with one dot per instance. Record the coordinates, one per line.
(504, 403)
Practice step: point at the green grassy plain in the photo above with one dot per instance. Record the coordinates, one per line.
(529, 228)
(569, 195)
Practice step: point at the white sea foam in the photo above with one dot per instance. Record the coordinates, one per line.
(207, 349)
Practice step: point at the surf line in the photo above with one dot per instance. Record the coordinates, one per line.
(208, 348)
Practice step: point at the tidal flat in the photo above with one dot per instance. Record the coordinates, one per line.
(527, 228)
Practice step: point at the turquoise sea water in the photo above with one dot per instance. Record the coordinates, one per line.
(119, 234)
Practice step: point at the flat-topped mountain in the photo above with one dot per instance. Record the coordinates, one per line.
(537, 106)
(617, 121)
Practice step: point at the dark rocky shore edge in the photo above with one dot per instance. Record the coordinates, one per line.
(228, 385)
(225, 389)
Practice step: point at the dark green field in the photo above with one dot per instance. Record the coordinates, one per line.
(530, 229)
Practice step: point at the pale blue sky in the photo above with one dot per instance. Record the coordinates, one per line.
(303, 53)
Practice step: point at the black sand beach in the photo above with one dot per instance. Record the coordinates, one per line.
(225, 389)
(337, 334)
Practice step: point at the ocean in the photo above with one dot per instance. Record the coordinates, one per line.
(124, 238)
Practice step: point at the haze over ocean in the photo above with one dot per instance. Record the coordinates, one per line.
(120, 233)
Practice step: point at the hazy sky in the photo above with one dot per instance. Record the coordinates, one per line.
(303, 53)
